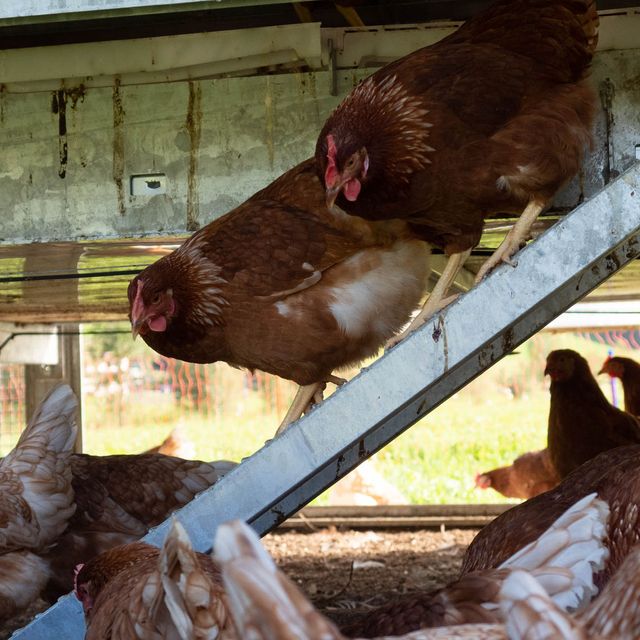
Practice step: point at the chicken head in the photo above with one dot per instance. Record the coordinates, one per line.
(152, 307)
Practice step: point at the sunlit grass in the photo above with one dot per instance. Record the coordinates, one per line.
(494, 419)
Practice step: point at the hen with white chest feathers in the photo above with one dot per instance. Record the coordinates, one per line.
(283, 285)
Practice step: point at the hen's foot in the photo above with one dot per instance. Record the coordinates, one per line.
(516, 237)
(308, 396)
(436, 300)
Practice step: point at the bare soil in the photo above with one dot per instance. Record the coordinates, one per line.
(346, 573)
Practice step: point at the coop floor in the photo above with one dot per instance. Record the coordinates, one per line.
(347, 572)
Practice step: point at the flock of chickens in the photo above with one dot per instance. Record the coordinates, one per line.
(318, 271)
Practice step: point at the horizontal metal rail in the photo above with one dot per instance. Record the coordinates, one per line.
(560, 267)
(407, 516)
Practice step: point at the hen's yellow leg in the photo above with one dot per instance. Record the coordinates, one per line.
(511, 244)
(436, 299)
(307, 396)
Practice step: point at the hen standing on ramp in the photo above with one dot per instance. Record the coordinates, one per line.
(283, 285)
(492, 119)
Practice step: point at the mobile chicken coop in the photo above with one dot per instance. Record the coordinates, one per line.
(126, 124)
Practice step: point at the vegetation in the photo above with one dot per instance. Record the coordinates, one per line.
(495, 418)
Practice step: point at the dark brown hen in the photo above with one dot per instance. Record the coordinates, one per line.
(283, 285)
(118, 498)
(614, 475)
(492, 119)
(628, 371)
(582, 422)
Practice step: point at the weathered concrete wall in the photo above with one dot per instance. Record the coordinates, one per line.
(67, 156)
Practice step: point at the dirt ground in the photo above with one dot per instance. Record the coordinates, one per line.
(348, 572)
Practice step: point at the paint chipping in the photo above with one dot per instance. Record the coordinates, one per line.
(59, 108)
(194, 127)
(118, 146)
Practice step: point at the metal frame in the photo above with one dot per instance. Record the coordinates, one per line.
(563, 265)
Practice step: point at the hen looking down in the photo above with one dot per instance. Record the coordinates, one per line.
(140, 591)
(614, 475)
(265, 604)
(283, 285)
(582, 422)
(493, 118)
(530, 474)
(118, 499)
(36, 498)
(628, 371)
(573, 544)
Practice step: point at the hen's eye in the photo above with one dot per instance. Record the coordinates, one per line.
(350, 162)
(155, 299)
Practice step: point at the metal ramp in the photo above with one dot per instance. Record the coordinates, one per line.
(559, 268)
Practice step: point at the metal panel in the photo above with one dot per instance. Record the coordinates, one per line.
(565, 263)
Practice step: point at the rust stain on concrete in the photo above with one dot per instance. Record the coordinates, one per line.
(194, 127)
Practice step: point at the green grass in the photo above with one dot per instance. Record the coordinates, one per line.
(497, 417)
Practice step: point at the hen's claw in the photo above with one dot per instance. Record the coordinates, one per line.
(307, 397)
(511, 244)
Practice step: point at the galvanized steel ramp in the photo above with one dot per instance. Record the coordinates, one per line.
(559, 268)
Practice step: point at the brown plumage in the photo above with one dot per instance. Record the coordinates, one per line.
(138, 591)
(530, 474)
(118, 499)
(582, 422)
(628, 371)
(492, 119)
(614, 475)
(283, 285)
(36, 498)
(265, 604)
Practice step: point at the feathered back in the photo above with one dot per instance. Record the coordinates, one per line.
(574, 542)
(265, 604)
(195, 601)
(531, 615)
(36, 496)
(615, 614)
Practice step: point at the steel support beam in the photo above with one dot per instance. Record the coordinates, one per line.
(559, 268)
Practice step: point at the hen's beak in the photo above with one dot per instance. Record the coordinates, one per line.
(135, 328)
(332, 194)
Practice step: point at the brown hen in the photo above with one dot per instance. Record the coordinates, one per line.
(118, 499)
(283, 285)
(628, 371)
(36, 498)
(492, 119)
(138, 591)
(614, 475)
(582, 422)
(530, 474)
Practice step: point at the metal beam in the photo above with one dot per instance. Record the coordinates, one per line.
(563, 265)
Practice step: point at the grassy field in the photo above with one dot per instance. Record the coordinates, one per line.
(495, 418)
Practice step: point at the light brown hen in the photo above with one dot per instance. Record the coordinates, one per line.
(283, 285)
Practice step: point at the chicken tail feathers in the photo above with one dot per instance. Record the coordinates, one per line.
(196, 611)
(41, 460)
(573, 546)
(264, 602)
(530, 614)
